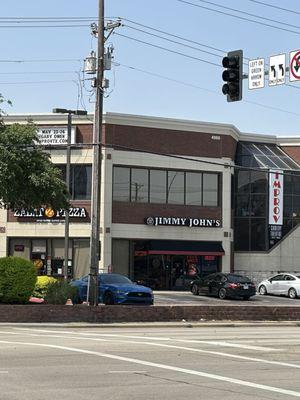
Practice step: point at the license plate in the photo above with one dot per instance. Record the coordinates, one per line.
(246, 287)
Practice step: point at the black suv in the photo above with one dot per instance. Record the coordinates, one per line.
(224, 285)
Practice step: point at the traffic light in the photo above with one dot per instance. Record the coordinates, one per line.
(233, 75)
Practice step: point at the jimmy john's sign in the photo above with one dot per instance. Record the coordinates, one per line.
(183, 221)
(48, 214)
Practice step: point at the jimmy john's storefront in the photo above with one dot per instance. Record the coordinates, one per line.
(170, 264)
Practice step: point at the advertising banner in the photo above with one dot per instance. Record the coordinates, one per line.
(275, 197)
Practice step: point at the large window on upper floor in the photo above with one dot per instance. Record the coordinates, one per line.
(145, 185)
(80, 180)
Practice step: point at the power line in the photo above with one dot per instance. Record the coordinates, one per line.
(277, 109)
(44, 26)
(34, 82)
(42, 60)
(277, 7)
(249, 14)
(37, 72)
(172, 41)
(238, 17)
(168, 50)
(173, 35)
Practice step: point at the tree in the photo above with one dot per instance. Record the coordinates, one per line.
(28, 179)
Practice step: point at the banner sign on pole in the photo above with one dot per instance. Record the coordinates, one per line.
(275, 197)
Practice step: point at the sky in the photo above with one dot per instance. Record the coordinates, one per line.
(41, 63)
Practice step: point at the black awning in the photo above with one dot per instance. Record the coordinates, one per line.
(185, 247)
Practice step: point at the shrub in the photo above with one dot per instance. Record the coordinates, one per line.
(17, 279)
(41, 285)
(59, 292)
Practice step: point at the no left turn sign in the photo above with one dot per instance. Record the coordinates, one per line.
(295, 65)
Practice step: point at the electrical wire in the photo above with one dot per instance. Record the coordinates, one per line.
(238, 17)
(172, 35)
(277, 7)
(249, 14)
(168, 50)
(172, 41)
(277, 109)
(41, 60)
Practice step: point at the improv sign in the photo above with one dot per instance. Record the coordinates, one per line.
(275, 197)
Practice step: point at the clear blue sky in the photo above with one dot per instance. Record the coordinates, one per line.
(196, 96)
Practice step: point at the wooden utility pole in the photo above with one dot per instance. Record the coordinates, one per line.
(95, 247)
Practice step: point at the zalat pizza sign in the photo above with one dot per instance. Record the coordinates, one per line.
(51, 214)
(275, 197)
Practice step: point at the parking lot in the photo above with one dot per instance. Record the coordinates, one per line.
(187, 298)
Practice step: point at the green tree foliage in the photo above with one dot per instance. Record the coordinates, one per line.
(17, 279)
(28, 179)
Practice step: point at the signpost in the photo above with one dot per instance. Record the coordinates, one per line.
(256, 77)
(277, 70)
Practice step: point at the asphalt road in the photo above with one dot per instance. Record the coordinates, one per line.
(111, 363)
(187, 298)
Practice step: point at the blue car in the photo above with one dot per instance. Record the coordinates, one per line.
(115, 289)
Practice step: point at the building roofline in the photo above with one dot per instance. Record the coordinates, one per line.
(156, 122)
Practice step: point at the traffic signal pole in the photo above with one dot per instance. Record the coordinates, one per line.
(95, 247)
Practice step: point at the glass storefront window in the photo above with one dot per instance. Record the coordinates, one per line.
(243, 182)
(175, 191)
(139, 185)
(258, 234)
(81, 182)
(242, 208)
(259, 182)
(193, 188)
(158, 186)
(210, 190)
(258, 205)
(121, 184)
(242, 234)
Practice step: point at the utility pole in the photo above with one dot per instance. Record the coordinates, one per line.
(96, 170)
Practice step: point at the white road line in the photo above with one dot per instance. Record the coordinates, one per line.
(214, 343)
(164, 366)
(218, 353)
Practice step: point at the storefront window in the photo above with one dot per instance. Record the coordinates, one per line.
(242, 205)
(258, 205)
(158, 186)
(121, 185)
(259, 182)
(242, 234)
(139, 185)
(175, 192)
(193, 188)
(258, 234)
(81, 182)
(210, 190)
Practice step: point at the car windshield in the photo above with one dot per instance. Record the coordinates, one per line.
(238, 278)
(114, 278)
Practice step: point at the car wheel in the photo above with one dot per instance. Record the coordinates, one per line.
(222, 293)
(292, 293)
(195, 290)
(108, 299)
(262, 290)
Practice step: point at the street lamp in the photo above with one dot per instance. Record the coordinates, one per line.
(68, 165)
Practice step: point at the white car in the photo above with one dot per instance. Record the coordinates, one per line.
(281, 284)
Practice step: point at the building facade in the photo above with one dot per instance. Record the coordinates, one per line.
(178, 198)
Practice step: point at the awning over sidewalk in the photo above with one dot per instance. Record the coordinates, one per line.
(185, 248)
